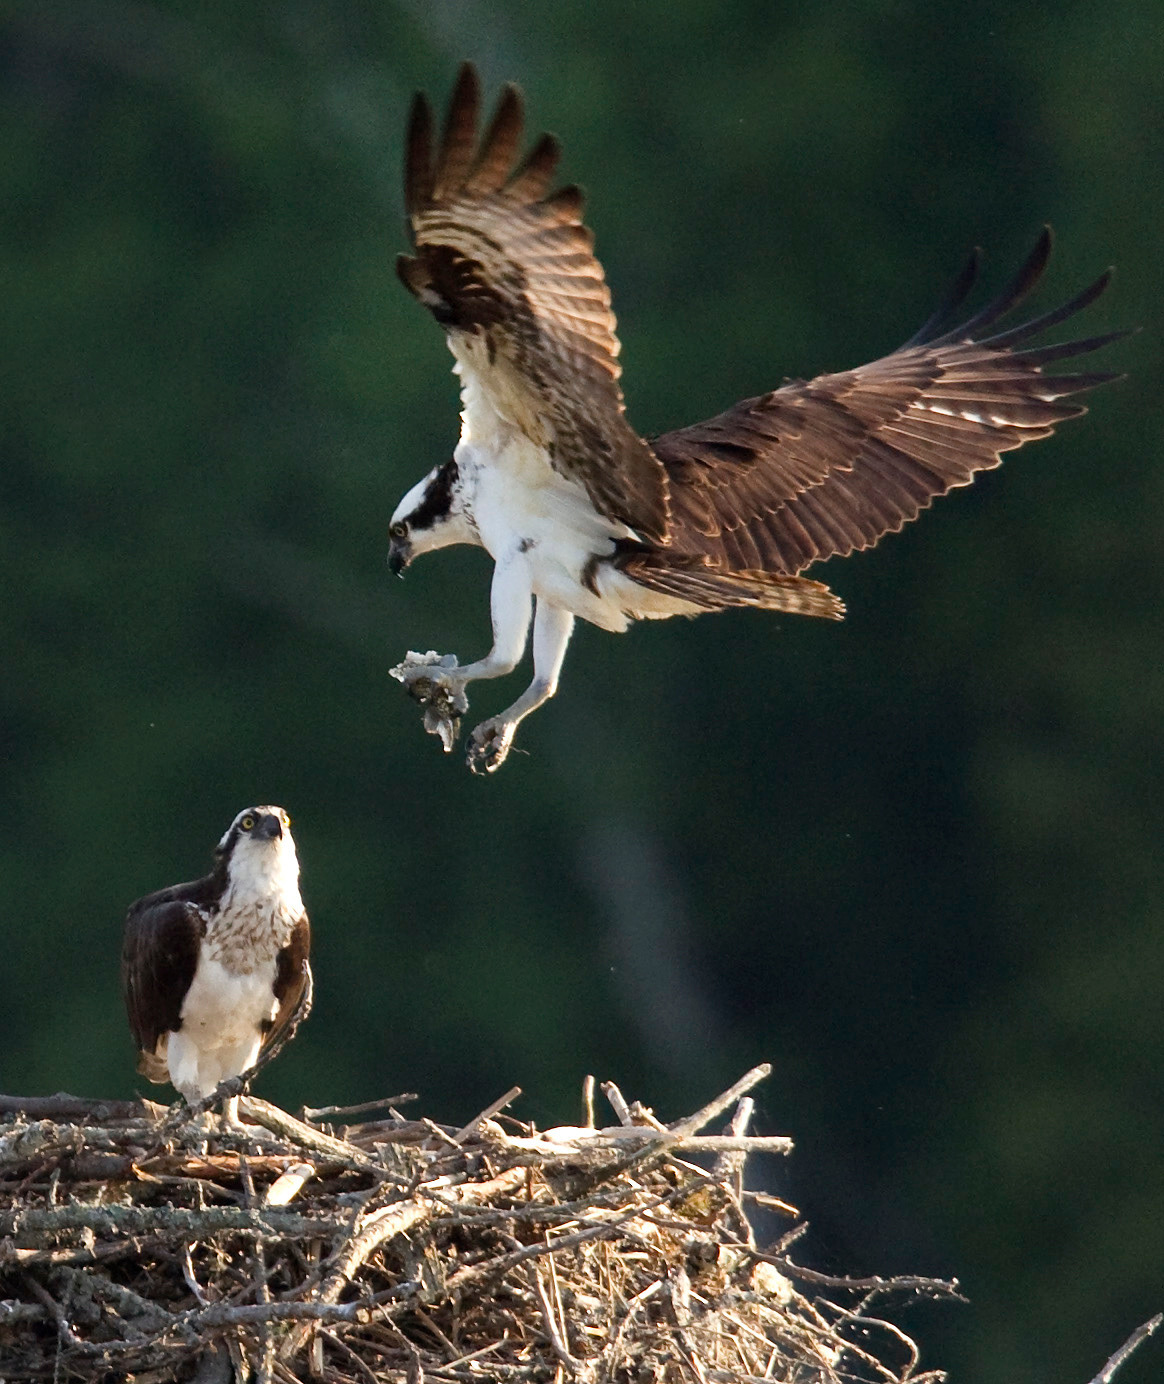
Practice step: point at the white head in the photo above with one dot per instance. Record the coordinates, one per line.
(257, 853)
(432, 515)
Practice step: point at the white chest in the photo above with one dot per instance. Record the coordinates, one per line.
(514, 495)
(522, 509)
(525, 511)
(224, 1007)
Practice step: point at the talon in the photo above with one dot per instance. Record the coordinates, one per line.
(489, 745)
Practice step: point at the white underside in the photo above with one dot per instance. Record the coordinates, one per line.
(222, 1020)
(530, 516)
(527, 513)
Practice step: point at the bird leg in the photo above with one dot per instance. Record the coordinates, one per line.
(491, 740)
(196, 1108)
(231, 1120)
(438, 683)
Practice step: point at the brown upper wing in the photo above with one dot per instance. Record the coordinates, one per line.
(499, 256)
(163, 933)
(818, 469)
(294, 987)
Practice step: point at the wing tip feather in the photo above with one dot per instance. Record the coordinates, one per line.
(936, 332)
(1029, 273)
(533, 175)
(462, 163)
(567, 203)
(958, 293)
(418, 174)
(459, 137)
(494, 160)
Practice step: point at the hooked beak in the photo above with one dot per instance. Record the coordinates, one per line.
(270, 828)
(399, 556)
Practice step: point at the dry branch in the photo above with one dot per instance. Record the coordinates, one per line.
(1136, 1339)
(131, 1243)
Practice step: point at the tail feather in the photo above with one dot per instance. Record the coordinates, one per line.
(153, 1066)
(713, 588)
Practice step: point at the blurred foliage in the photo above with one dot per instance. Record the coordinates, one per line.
(914, 859)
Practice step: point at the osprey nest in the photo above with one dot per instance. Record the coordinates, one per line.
(136, 1241)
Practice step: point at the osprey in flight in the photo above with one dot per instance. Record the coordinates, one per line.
(588, 519)
(216, 971)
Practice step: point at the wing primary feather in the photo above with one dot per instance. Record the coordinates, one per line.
(1026, 330)
(1046, 355)
(530, 181)
(418, 179)
(499, 147)
(567, 203)
(1011, 296)
(459, 141)
(1062, 386)
(957, 295)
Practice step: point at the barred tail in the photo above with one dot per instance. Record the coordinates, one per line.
(691, 579)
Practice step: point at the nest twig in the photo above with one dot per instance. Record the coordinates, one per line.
(131, 1242)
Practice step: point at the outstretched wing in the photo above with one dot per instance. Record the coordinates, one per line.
(507, 268)
(818, 469)
(163, 933)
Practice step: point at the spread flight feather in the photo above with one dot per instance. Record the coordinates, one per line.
(729, 511)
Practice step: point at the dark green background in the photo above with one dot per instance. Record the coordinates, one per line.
(914, 860)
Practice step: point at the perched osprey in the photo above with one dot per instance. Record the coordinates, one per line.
(588, 519)
(216, 970)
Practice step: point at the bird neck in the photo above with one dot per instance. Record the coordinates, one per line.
(264, 879)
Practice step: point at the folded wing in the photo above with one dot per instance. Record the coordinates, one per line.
(163, 934)
(294, 987)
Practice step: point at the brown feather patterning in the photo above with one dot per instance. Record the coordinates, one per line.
(294, 988)
(163, 935)
(815, 470)
(500, 257)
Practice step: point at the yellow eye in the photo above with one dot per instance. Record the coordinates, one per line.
(247, 822)
(286, 820)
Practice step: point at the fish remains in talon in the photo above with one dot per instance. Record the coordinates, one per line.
(586, 519)
(444, 702)
(216, 971)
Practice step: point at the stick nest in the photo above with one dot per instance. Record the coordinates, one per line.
(135, 1241)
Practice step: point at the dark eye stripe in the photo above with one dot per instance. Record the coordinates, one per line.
(438, 498)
